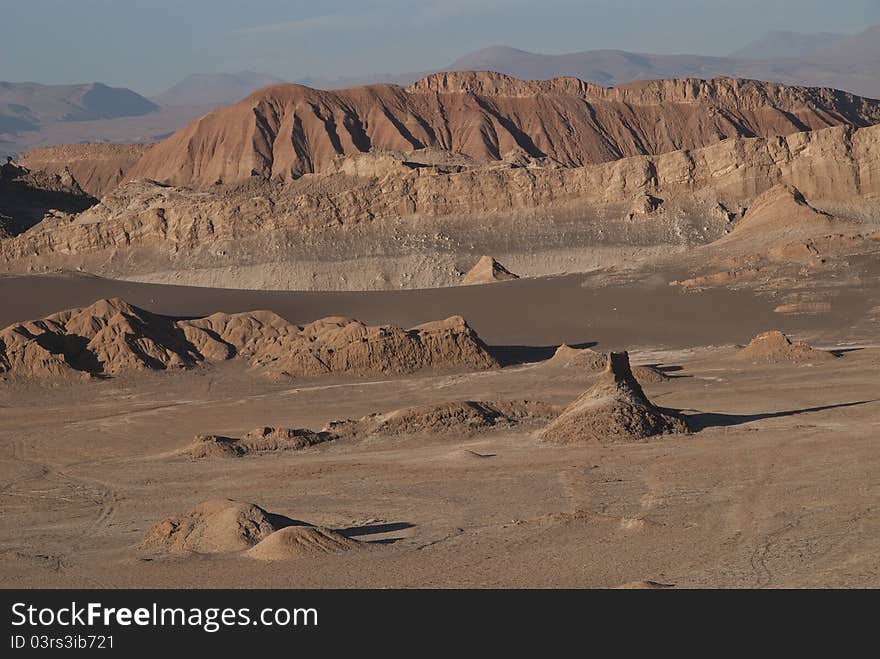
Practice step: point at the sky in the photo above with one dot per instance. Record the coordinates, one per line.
(150, 45)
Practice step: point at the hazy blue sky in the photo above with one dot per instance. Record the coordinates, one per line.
(149, 45)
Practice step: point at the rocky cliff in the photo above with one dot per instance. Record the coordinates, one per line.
(98, 168)
(284, 131)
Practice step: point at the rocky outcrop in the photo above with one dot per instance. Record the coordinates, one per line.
(28, 196)
(455, 419)
(486, 271)
(285, 131)
(98, 168)
(111, 337)
(353, 217)
(779, 217)
(774, 347)
(260, 440)
(615, 409)
(590, 360)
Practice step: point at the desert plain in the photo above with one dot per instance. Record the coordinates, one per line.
(615, 337)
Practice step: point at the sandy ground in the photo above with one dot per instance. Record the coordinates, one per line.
(778, 487)
(616, 313)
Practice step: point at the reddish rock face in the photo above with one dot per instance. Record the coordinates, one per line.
(285, 131)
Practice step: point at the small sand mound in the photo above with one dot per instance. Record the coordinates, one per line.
(457, 418)
(486, 271)
(775, 347)
(615, 409)
(220, 525)
(299, 541)
(261, 440)
(590, 360)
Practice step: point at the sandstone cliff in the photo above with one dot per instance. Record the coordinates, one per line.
(26, 197)
(836, 166)
(98, 168)
(285, 131)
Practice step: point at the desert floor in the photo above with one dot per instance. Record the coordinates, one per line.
(778, 486)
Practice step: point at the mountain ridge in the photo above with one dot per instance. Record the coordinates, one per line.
(286, 131)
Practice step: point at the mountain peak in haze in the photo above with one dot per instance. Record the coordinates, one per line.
(847, 62)
(215, 89)
(28, 106)
(471, 61)
(786, 44)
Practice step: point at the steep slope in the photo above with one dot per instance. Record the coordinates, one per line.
(285, 131)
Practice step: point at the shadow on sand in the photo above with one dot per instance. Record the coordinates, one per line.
(358, 532)
(516, 355)
(702, 420)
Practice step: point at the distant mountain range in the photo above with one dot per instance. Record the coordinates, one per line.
(850, 63)
(29, 106)
(784, 43)
(41, 115)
